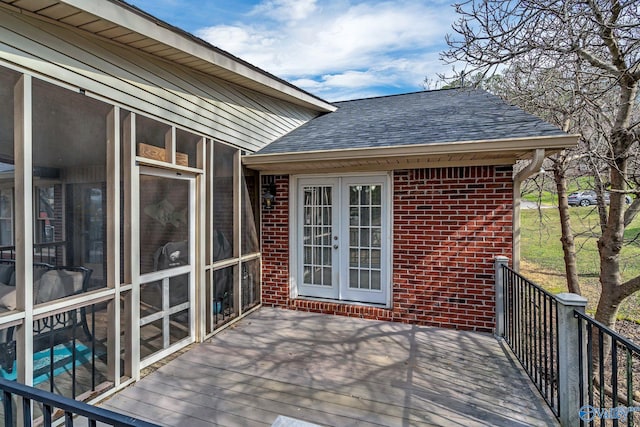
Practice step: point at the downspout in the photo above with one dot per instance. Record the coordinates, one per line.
(529, 170)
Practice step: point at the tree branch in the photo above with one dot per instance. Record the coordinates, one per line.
(597, 62)
(628, 288)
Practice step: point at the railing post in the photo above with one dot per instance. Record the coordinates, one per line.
(569, 357)
(500, 261)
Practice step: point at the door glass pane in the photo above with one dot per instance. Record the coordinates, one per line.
(364, 279)
(375, 237)
(375, 258)
(326, 236)
(316, 233)
(364, 216)
(364, 238)
(88, 203)
(376, 216)
(326, 198)
(353, 236)
(376, 195)
(365, 195)
(365, 232)
(164, 223)
(353, 257)
(354, 217)
(354, 196)
(326, 276)
(375, 280)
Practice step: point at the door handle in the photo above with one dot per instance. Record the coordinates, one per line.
(335, 246)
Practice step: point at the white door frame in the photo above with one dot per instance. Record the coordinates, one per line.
(341, 292)
(165, 275)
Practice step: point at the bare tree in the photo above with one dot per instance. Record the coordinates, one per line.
(586, 54)
(547, 93)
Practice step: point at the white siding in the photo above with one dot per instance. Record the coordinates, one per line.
(148, 84)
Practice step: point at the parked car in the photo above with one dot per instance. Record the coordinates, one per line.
(627, 198)
(589, 197)
(583, 198)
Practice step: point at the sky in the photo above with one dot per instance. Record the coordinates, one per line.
(334, 49)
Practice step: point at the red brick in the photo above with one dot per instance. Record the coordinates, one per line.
(442, 255)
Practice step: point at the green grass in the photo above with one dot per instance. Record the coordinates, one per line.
(544, 198)
(543, 259)
(548, 195)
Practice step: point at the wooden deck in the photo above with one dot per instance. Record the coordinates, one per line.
(337, 371)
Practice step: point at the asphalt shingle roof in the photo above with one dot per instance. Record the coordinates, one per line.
(451, 115)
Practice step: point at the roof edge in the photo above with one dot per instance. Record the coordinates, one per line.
(458, 147)
(123, 14)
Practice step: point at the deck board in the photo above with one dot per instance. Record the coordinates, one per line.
(337, 371)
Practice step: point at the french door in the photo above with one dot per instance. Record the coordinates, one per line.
(342, 236)
(167, 262)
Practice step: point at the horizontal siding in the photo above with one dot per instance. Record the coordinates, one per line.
(142, 82)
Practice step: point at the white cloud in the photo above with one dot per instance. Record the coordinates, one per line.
(285, 10)
(395, 75)
(355, 79)
(341, 46)
(237, 40)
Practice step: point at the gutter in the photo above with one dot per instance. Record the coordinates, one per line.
(530, 170)
(523, 144)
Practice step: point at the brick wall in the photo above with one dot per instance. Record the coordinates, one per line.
(275, 247)
(448, 226)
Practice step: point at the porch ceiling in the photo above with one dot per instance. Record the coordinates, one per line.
(125, 24)
(465, 153)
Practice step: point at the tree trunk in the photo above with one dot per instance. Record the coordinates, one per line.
(611, 242)
(607, 310)
(568, 244)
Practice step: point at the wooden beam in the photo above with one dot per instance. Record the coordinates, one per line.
(200, 301)
(113, 244)
(131, 248)
(23, 149)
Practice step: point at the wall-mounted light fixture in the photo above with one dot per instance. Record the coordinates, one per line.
(268, 191)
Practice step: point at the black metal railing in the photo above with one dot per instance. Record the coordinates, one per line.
(69, 356)
(608, 380)
(50, 253)
(222, 298)
(50, 403)
(531, 331)
(72, 332)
